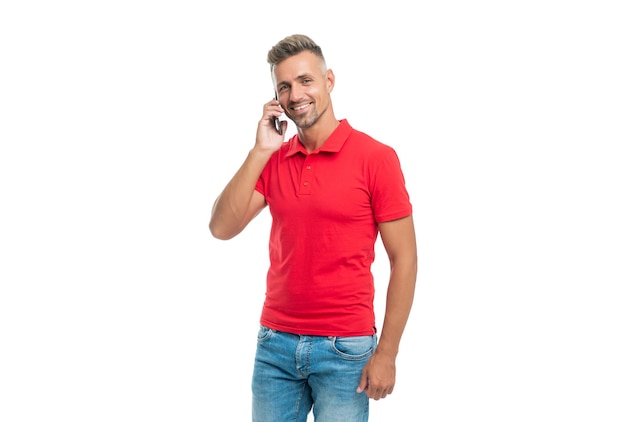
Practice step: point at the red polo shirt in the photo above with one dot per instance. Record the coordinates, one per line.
(325, 207)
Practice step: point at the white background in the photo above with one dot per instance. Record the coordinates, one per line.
(121, 121)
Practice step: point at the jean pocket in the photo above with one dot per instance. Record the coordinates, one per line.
(354, 348)
(264, 334)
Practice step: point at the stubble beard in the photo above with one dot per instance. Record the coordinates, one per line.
(308, 120)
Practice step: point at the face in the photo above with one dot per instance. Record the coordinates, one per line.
(303, 87)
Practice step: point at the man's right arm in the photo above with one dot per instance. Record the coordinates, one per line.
(239, 202)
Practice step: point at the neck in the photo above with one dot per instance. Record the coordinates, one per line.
(314, 137)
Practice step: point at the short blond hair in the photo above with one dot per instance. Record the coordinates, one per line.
(292, 45)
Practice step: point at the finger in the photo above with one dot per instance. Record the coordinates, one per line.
(362, 384)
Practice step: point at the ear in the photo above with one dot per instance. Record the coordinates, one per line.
(330, 80)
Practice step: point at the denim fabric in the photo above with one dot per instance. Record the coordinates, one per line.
(295, 373)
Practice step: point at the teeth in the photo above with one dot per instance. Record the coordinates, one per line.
(300, 108)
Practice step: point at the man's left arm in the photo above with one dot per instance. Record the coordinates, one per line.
(379, 374)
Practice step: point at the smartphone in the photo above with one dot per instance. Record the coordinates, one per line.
(277, 124)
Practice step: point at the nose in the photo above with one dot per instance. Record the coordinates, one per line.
(295, 93)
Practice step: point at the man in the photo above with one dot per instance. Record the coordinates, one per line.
(330, 190)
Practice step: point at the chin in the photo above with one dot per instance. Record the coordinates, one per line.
(304, 122)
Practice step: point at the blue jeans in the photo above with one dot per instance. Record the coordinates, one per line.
(294, 373)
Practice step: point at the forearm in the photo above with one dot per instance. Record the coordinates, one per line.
(400, 293)
(231, 210)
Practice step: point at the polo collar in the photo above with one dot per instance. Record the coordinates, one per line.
(334, 143)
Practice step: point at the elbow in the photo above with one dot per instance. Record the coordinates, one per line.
(216, 233)
(219, 233)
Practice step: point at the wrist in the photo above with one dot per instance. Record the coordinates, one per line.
(387, 350)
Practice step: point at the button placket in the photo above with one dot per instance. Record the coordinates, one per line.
(306, 176)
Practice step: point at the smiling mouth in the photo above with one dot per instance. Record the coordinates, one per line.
(301, 107)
